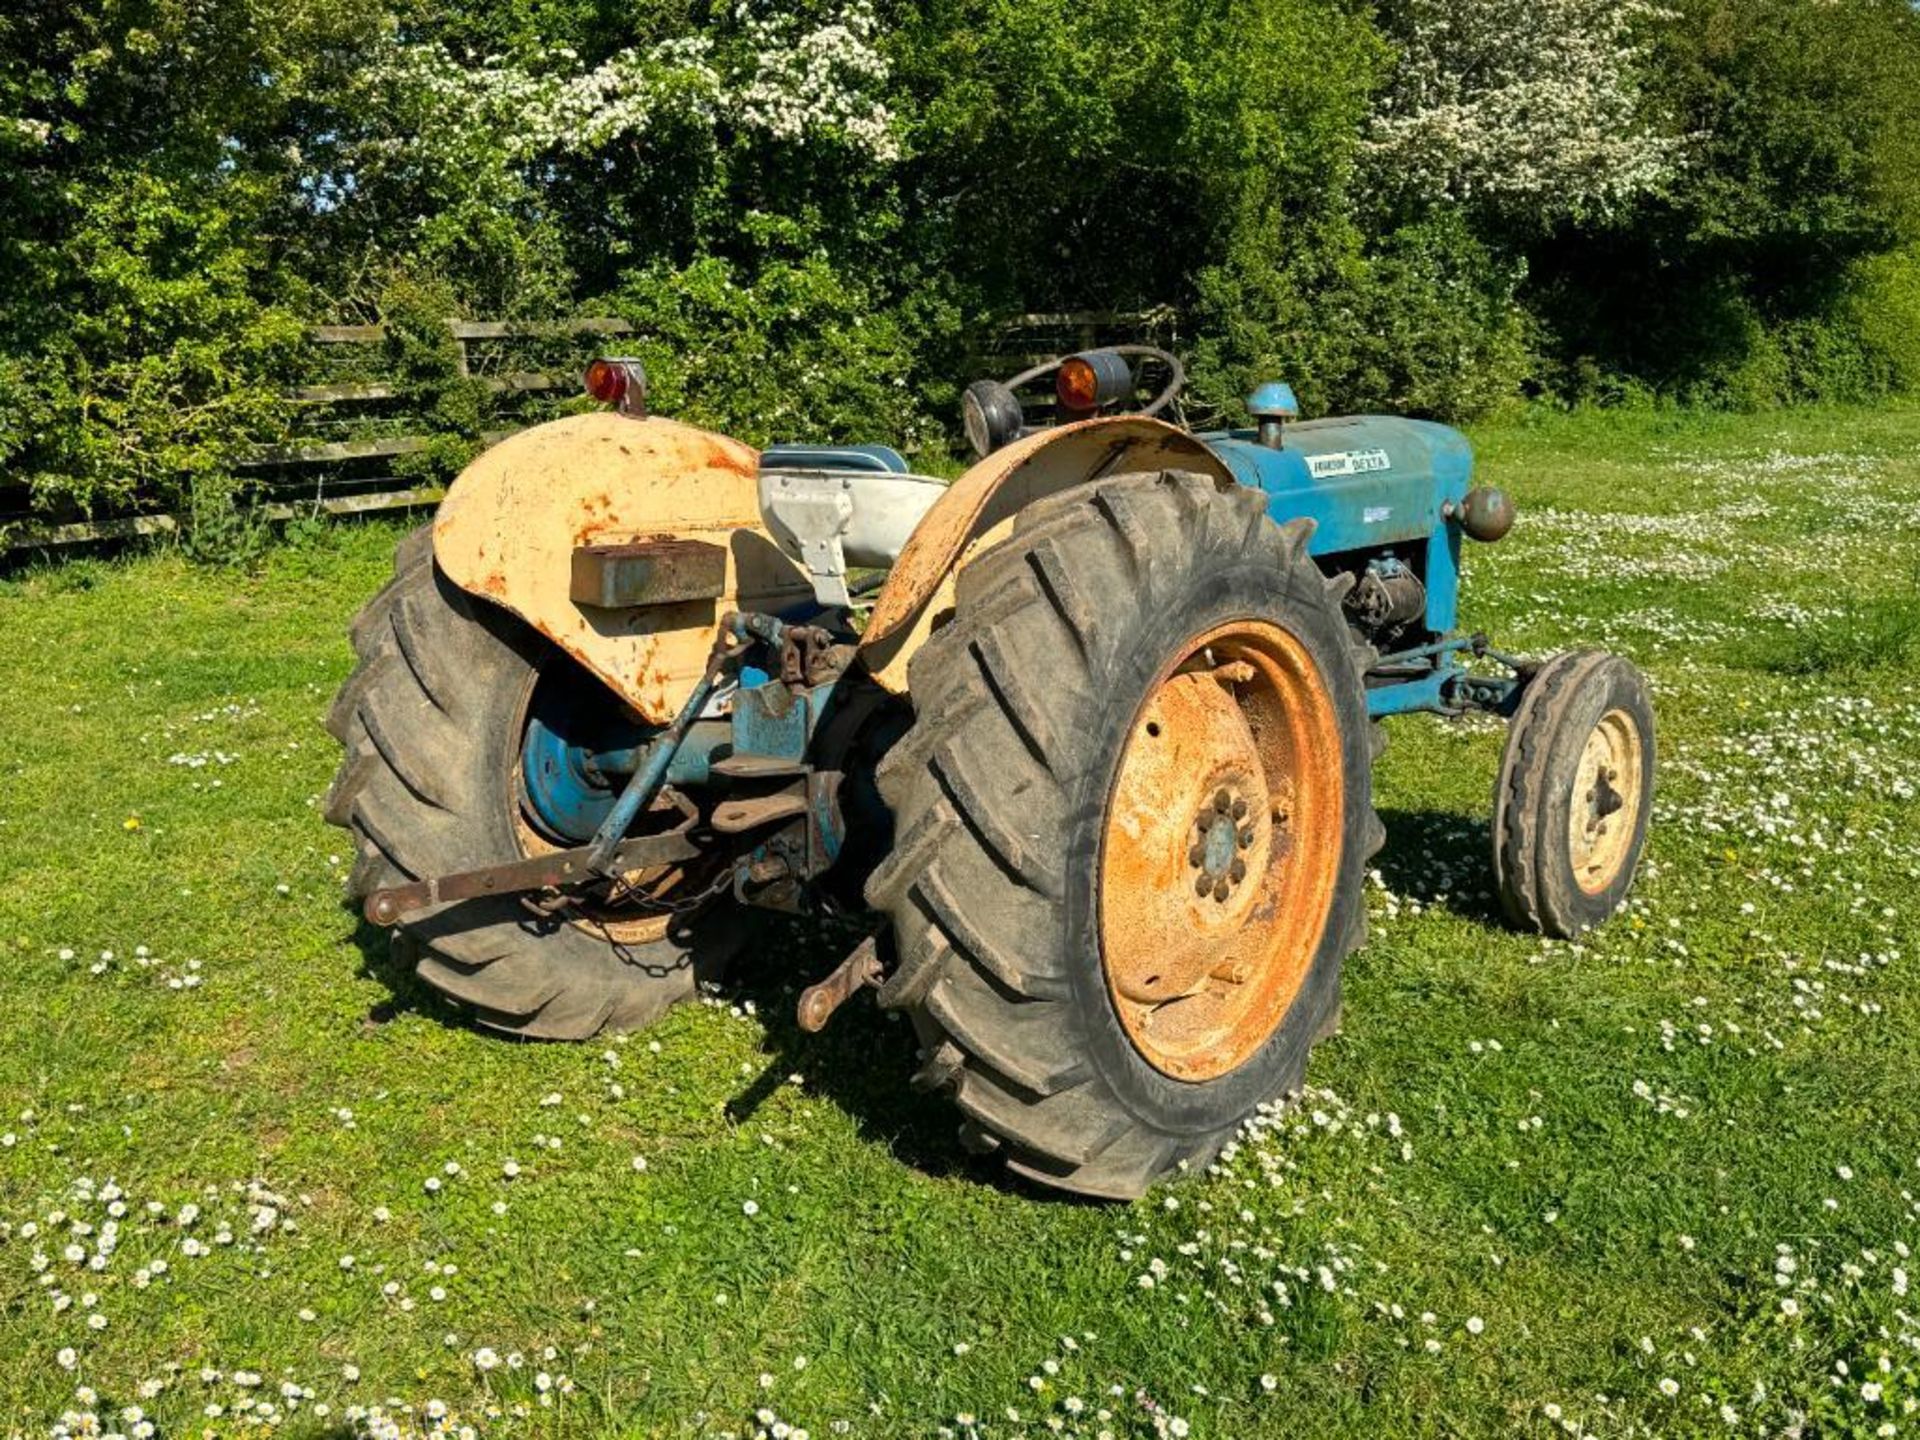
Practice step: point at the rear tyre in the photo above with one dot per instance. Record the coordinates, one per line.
(1574, 793)
(431, 721)
(1133, 813)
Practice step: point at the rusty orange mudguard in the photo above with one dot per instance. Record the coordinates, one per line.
(978, 510)
(509, 525)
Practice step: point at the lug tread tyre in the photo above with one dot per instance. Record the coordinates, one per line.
(982, 790)
(424, 722)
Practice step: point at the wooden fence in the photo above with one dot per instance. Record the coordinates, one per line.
(354, 475)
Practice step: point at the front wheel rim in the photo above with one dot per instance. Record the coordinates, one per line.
(1221, 849)
(1608, 794)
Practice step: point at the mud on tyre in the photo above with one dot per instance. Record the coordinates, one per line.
(1132, 818)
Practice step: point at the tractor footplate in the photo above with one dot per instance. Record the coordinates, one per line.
(539, 872)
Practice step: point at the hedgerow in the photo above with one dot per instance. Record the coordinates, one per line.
(809, 212)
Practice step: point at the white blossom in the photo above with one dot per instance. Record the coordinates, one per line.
(1530, 104)
(774, 75)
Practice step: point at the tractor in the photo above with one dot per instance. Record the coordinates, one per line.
(1080, 745)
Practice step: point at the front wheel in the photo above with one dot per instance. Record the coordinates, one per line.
(1132, 813)
(1574, 793)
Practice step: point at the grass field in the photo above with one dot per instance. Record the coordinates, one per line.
(1662, 1182)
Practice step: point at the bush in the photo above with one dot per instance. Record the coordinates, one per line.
(806, 208)
(422, 358)
(1738, 284)
(1883, 309)
(168, 365)
(790, 350)
(1424, 322)
(1121, 154)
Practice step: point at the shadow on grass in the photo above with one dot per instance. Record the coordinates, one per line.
(1441, 859)
(861, 1062)
(388, 957)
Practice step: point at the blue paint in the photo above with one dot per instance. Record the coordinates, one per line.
(640, 790)
(576, 759)
(558, 788)
(1367, 482)
(1443, 578)
(1273, 401)
(828, 828)
(1410, 696)
(772, 721)
(571, 788)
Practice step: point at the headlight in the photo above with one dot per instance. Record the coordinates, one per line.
(990, 415)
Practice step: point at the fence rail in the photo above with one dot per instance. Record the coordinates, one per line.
(329, 476)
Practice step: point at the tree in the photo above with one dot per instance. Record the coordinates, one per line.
(1800, 174)
(1531, 109)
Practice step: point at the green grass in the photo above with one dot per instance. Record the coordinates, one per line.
(1534, 1181)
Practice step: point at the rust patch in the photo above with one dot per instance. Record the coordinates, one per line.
(509, 525)
(1221, 849)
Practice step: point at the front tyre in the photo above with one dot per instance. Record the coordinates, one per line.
(432, 721)
(1133, 814)
(1574, 793)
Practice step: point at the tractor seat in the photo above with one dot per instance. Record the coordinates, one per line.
(873, 459)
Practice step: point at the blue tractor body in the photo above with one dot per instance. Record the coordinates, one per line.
(1388, 500)
(1372, 485)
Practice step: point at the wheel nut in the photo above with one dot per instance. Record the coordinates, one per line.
(1221, 889)
(1204, 885)
(1246, 838)
(1222, 801)
(1237, 871)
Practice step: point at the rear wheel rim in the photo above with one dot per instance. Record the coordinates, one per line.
(1607, 797)
(632, 922)
(1221, 849)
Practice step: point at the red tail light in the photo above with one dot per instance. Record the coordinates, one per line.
(607, 381)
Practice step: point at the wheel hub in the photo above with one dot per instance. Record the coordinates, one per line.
(1220, 833)
(1220, 851)
(574, 758)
